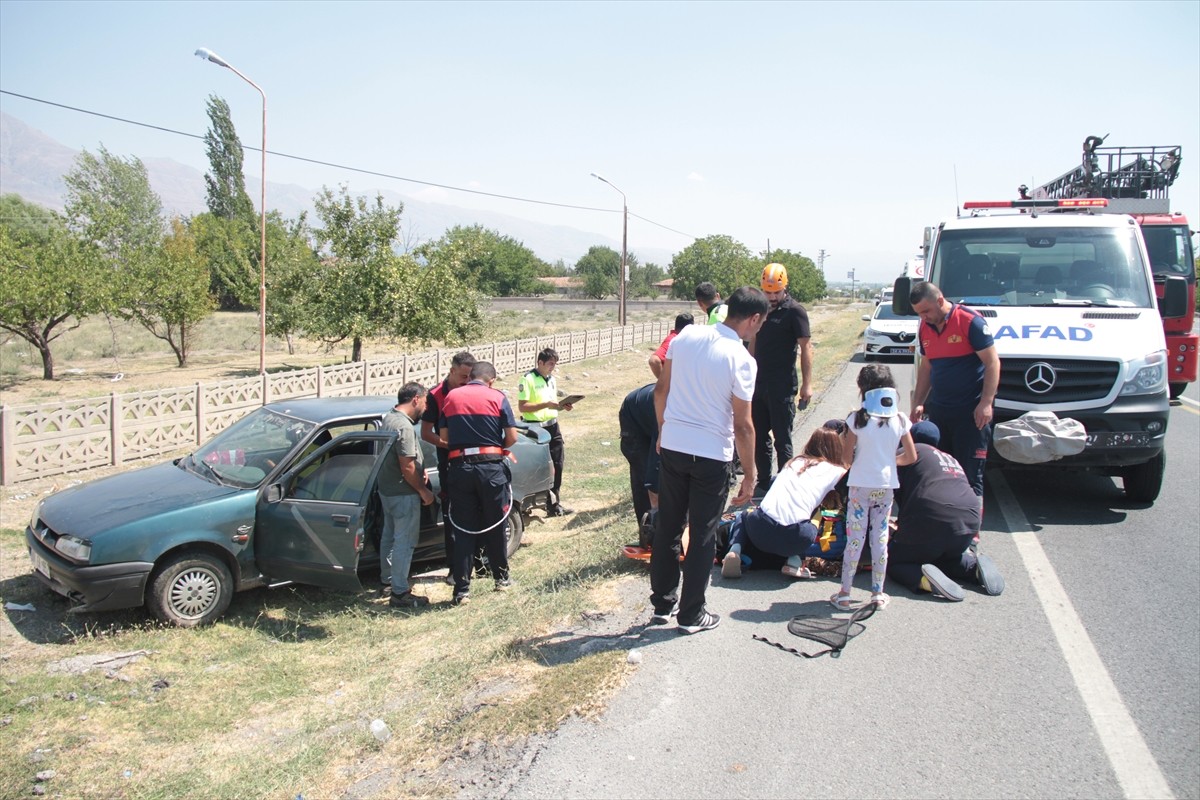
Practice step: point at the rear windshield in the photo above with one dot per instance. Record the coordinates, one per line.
(1045, 266)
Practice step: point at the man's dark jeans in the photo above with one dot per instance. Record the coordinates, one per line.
(774, 414)
(690, 488)
(962, 439)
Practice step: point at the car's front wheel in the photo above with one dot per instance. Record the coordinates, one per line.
(190, 589)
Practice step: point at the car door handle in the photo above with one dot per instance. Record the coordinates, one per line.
(341, 519)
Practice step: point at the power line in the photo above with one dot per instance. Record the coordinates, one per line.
(342, 166)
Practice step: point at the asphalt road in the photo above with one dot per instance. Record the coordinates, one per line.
(1081, 680)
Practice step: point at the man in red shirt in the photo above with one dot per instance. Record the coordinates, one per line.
(660, 355)
(957, 379)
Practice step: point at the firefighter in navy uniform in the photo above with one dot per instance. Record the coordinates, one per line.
(478, 424)
(537, 402)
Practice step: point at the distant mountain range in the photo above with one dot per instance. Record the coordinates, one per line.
(32, 165)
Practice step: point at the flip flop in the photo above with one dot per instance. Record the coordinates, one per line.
(636, 553)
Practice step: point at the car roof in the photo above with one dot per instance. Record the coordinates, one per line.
(328, 409)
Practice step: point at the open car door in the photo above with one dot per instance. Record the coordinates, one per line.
(313, 521)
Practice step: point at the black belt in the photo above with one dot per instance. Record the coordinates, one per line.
(477, 459)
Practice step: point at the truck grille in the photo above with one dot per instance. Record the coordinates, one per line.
(1073, 380)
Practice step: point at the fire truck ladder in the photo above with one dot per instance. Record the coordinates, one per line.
(1128, 174)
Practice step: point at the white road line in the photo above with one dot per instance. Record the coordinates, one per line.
(1131, 760)
(1189, 401)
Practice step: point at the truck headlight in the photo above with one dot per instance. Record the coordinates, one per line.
(74, 548)
(1149, 375)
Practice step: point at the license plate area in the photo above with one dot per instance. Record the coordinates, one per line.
(40, 564)
(1118, 439)
(901, 351)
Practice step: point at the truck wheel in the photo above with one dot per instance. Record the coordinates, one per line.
(1144, 481)
(190, 589)
(516, 529)
(1177, 389)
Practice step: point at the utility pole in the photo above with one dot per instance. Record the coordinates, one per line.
(850, 275)
(821, 254)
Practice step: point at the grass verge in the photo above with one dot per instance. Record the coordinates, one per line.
(278, 697)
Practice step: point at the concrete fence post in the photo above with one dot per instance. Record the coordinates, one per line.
(8, 448)
(116, 446)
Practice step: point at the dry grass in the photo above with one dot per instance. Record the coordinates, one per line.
(275, 700)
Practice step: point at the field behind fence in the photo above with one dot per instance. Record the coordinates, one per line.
(37, 441)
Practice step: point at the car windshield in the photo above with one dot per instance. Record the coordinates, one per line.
(1044, 266)
(883, 311)
(246, 451)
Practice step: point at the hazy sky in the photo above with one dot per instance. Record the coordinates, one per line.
(842, 126)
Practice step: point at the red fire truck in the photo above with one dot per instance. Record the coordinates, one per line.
(1137, 181)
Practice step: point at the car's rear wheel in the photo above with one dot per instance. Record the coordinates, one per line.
(190, 589)
(516, 530)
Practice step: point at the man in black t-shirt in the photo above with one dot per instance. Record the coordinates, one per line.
(784, 334)
(939, 516)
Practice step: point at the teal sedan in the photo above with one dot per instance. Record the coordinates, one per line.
(285, 495)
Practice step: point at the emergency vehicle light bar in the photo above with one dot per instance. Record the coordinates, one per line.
(1073, 202)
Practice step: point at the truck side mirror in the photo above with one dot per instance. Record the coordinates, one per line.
(900, 303)
(1175, 297)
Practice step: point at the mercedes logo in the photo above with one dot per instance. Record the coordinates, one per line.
(1040, 378)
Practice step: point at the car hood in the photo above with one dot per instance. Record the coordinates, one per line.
(894, 326)
(113, 502)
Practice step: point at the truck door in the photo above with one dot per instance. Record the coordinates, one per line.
(313, 521)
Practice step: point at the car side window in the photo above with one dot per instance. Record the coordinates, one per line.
(340, 477)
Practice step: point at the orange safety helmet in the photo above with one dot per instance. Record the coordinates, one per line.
(774, 278)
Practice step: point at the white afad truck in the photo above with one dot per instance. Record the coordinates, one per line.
(1069, 298)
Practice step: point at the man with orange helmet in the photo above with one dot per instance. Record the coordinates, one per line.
(784, 333)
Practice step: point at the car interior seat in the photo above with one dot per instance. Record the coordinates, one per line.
(978, 270)
(339, 478)
(1048, 277)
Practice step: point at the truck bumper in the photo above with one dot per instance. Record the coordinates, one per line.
(104, 587)
(1131, 431)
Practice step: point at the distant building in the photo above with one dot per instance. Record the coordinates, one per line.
(664, 287)
(565, 287)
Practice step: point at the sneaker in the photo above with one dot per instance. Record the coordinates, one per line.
(731, 565)
(559, 510)
(504, 585)
(706, 622)
(664, 619)
(448, 580)
(989, 576)
(408, 600)
(941, 585)
(460, 600)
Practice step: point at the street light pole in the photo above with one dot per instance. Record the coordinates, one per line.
(624, 251)
(209, 55)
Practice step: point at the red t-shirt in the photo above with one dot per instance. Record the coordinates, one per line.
(661, 352)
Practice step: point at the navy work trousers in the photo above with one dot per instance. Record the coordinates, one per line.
(961, 439)
(480, 498)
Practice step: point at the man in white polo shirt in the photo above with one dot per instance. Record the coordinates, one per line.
(702, 400)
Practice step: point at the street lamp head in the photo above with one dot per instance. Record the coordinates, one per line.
(209, 55)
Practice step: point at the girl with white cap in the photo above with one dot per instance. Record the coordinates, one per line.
(874, 434)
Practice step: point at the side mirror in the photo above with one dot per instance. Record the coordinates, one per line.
(867, 317)
(900, 304)
(274, 493)
(1175, 297)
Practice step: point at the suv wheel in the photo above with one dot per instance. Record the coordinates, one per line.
(1144, 481)
(190, 589)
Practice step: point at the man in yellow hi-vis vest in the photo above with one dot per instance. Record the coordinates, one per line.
(537, 403)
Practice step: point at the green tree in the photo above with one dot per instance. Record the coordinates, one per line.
(232, 266)
(499, 265)
(600, 267)
(363, 289)
(291, 262)
(805, 281)
(232, 247)
(171, 292)
(49, 279)
(724, 261)
(643, 278)
(110, 204)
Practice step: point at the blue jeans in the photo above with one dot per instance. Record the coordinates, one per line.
(401, 526)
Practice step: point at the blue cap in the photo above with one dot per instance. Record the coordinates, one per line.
(925, 432)
(882, 402)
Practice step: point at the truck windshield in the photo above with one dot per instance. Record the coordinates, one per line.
(1042, 266)
(1170, 249)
